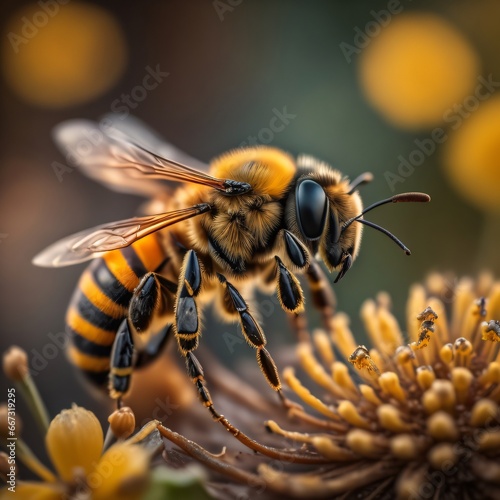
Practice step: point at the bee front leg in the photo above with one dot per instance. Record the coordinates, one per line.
(323, 300)
(288, 289)
(323, 296)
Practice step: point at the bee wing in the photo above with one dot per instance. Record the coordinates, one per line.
(93, 242)
(110, 156)
(149, 139)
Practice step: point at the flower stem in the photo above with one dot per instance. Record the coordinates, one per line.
(31, 461)
(109, 439)
(30, 393)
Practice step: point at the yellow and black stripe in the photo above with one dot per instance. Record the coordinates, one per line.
(100, 303)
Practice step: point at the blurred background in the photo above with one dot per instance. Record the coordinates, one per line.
(406, 90)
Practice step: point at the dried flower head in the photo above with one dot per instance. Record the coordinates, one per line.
(415, 419)
(15, 364)
(122, 422)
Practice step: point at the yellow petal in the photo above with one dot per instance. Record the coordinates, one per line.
(34, 491)
(74, 440)
(122, 473)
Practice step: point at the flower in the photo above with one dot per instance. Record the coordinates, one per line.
(74, 443)
(89, 466)
(79, 53)
(416, 419)
(417, 68)
(472, 157)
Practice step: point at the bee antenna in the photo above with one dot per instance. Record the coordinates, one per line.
(387, 233)
(398, 198)
(359, 181)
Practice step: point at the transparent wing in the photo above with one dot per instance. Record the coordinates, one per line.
(93, 242)
(110, 156)
(148, 138)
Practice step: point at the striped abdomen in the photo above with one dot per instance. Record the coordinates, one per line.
(101, 300)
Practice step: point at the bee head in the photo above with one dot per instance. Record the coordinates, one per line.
(318, 219)
(326, 220)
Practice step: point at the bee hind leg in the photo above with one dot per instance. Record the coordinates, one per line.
(150, 310)
(152, 299)
(121, 363)
(154, 347)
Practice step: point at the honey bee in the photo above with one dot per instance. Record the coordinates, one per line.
(256, 216)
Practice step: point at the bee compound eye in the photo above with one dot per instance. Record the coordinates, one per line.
(312, 208)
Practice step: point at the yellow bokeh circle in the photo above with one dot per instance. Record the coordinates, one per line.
(58, 53)
(472, 158)
(417, 68)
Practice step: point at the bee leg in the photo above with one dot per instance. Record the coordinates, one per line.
(153, 348)
(295, 250)
(121, 363)
(187, 316)
(153, 297)
(255, 337)
(288, 289)
(187, 330)
(359, 181)
(253, 334)
(124, 359)
(323, 297)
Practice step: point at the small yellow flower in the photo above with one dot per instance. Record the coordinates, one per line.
(417, 68)
(77, 54)
(74, 443)
(473, 157)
